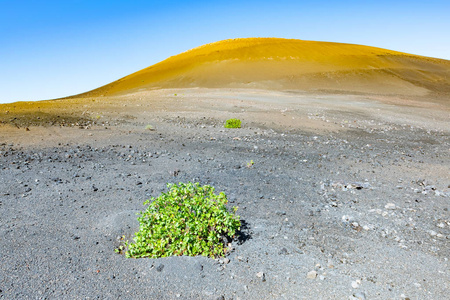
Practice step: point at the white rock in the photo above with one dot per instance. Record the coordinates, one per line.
(346, 219)
(311, 275)
(390, 206)
(355, 285)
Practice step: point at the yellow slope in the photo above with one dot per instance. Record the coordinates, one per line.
(274, 63)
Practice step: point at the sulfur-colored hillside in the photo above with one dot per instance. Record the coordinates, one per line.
(287, 64)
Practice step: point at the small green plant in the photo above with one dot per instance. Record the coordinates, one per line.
(187, 220)
(250, 164)
(233, 123)
(149, 127)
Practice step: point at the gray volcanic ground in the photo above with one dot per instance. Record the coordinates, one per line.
(347, 197)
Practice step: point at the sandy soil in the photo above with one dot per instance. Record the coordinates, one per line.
(283, 64)
(347, 198)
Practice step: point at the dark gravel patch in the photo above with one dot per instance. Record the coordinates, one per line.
(367, 212)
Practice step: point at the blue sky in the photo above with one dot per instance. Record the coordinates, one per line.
(51, 49)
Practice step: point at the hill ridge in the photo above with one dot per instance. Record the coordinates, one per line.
(278, 63)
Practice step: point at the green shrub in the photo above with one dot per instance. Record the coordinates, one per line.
(233, 123)
(187, 220)
(149, 127)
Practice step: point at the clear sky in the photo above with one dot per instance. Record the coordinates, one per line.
(51, 49)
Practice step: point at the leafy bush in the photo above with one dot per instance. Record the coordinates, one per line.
(233, 123)
(149, 127)
(187, 220)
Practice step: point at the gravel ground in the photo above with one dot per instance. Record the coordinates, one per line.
(360, 213)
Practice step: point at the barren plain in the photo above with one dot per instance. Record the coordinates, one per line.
(347, 196)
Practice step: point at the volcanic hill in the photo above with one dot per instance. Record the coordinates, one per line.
(289, 64)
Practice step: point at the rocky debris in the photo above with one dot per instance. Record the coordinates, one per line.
(261, 275)
(358, 296)
(355, 284)
(283, 251)
(199, 267)
(339, 186)
(426, 188)
(311, 274)
(223, 261)
(310, 200)
(390, 206)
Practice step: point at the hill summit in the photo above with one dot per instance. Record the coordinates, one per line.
(290, 64)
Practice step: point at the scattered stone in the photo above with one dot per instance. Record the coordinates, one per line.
(355, 185)
(356, 226)
(261, 275)
(355, 285)
(199, 267)
(311, 274)
(289, 224)
(283, 251)
(432, 232)
(226, 260)
(359, 296)
(160, 268)
(366, 227)
(346, 219)
(175, 173)
(390, 206)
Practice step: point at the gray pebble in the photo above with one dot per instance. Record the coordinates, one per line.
(160, 268)
(199, 267)
(360, 295)
(283, 251)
